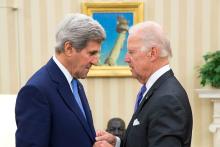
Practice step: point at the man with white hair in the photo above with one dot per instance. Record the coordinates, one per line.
(52, 109)
(162, 115)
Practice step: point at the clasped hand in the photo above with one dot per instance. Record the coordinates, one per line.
(104, 139)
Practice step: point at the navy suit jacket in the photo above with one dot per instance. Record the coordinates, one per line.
(47, 114)
(164, 117)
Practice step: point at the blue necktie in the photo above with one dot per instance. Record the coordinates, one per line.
(76, 96)
(139, 96)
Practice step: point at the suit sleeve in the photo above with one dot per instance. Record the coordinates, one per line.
(167, 123)
(32, 118)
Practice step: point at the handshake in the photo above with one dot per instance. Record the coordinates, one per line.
(104, 139)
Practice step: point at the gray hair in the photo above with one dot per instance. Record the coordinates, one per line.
(79, 29)
(152, 35)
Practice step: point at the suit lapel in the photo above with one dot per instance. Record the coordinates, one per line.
(156, 85)
(86, 108)
(69, 99)
(67, 95)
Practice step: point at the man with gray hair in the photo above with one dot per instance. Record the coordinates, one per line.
(162, 114)
(52, 109)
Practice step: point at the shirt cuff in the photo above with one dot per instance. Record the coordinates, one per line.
(118, 142)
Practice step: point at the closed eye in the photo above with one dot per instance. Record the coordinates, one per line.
(92, 53)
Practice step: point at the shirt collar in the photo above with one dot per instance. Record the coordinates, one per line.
(64, 70)
(155, 76)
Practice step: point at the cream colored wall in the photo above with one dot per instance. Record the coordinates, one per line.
(27, 39)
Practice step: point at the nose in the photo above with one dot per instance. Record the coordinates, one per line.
(116, 132)
(127, 58)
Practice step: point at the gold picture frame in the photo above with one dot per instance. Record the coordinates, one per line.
(133, 11)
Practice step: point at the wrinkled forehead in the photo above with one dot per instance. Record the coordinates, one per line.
(134, 41)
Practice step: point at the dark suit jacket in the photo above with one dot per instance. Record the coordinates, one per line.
(164, 116)
(47, 114)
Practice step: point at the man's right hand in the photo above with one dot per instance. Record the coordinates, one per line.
(105, 136)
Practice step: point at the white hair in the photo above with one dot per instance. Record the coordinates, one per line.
(78, 29)
(152, 35)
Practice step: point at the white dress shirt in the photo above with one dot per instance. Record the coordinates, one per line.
(64, 71)
(154, 77)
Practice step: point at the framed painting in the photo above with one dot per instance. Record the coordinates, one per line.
(116, 18)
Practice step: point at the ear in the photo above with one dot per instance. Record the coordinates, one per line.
(154, 53)
(68, 49)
